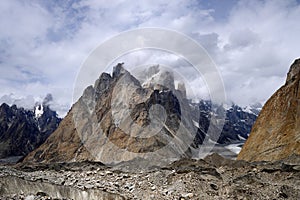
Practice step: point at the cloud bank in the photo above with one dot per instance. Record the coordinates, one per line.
(44, 43)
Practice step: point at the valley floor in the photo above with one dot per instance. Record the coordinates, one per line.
(211, 178)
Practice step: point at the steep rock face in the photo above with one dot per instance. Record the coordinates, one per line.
(237, 126)
(276, 133)
(21, 131)
(61, 146)
(118, 120)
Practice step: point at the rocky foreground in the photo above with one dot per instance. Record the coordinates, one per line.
(211, 178)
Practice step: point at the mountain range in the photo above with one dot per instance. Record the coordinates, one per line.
(131, 127)
(22, 131)
(119, 119)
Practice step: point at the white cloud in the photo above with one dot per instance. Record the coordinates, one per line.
(258, 46)
(44, 43)
(242, 39)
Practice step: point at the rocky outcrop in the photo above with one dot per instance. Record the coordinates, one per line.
(117, 120)
(21, 131)
(276, 133)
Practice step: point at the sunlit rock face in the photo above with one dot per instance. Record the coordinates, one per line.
(276, 133)
(119, 120)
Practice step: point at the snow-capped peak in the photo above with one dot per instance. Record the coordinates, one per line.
(39, 110)
(158, 78)
(253, 109)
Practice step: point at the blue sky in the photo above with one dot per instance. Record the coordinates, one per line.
(43, 43)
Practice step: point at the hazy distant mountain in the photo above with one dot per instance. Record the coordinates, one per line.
(276, 133)
(21, 130)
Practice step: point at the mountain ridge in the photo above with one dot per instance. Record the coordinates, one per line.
(117, 120)
(21, 131)
(276, 133)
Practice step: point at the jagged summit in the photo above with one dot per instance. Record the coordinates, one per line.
(128, 121)
(119, 119)
(118, 70)
(41, 107)
(294, 72)
(39, 110)
(21, 131)
(158, 79)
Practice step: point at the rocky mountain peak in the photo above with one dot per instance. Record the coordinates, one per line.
(102, 84)
(294, 72)
(119, 120)
(4, 107)
(43, 108)
(127, 121)
(160, 79)
(21, 131)
(276, 132)
(118, 70)
(39, 110)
